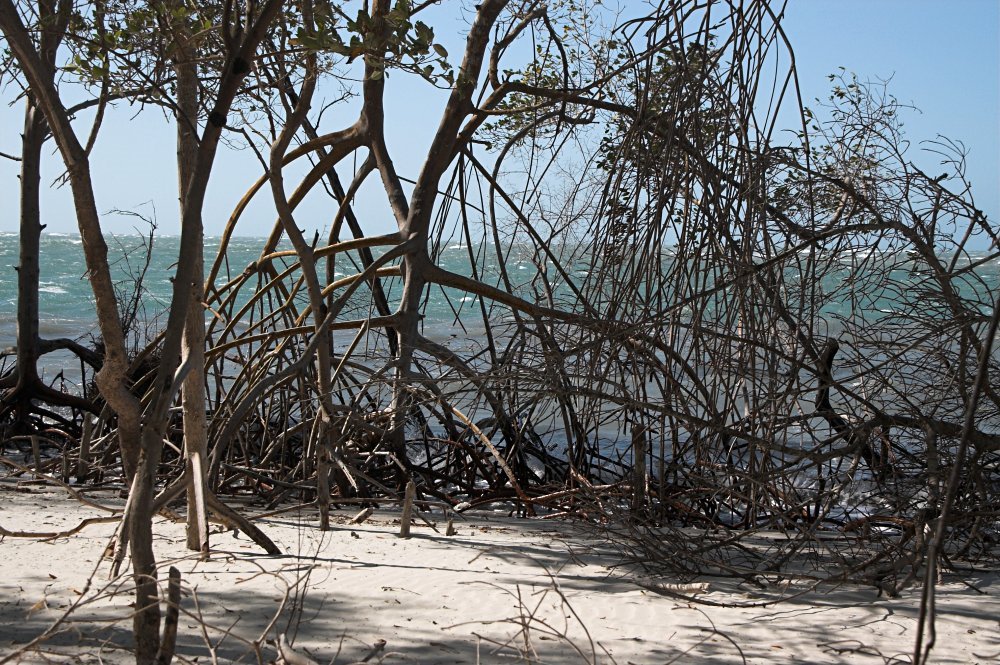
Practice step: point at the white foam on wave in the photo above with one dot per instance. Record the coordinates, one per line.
(52, 289)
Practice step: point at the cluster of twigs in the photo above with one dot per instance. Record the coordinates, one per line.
(730, 336)
(727, 345)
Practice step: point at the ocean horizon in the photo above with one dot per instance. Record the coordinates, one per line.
(66, 300)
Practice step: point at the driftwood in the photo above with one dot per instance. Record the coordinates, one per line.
(168, 639)
(362, 516)
(290, 656)
(51, 535)
(406, 517)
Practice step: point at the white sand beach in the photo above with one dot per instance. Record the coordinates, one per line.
(500, 590)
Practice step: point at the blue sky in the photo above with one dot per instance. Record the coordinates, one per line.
(942, 57)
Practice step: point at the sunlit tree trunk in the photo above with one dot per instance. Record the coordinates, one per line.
(242, 46)
(193, 400)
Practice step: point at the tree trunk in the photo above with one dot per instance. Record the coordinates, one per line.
(143, 454)
(323, 430)
(25, 384)
(413, 215)
(28, 262)
(39, 70)
(193, 344)
(236, 66)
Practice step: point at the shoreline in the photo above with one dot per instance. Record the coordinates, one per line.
(501, 588)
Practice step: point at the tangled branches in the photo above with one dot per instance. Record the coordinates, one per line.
(749, 354)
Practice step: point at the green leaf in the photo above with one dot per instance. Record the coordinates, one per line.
(440, 50)
(424, 32)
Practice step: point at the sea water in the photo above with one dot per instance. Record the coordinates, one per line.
(452, 317)
(66, 301)
(67, 304)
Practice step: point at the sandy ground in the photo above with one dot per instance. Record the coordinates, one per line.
(501, 590)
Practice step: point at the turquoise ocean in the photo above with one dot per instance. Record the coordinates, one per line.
(66, 301)
(455, 319)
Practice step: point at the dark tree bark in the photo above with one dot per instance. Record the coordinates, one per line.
(38, 68)
(27, 385)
